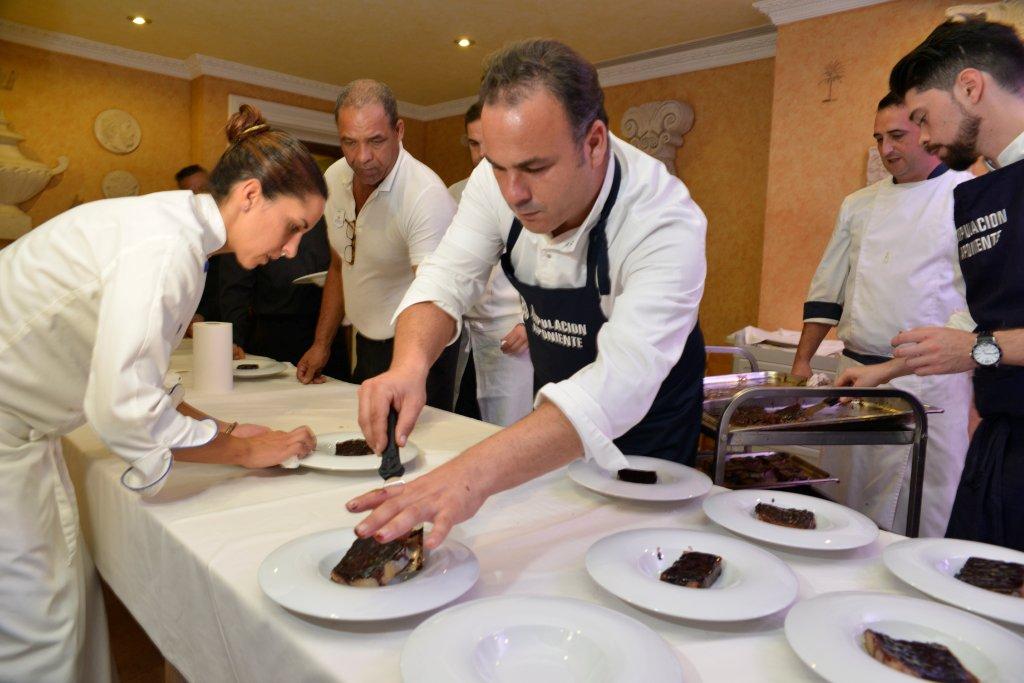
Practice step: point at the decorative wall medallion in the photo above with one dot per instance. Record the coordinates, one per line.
(832, 75)
(120, 184)
(1007, 11)
(658, 129)
(117, 131)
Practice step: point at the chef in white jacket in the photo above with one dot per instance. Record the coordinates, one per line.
(497, 335)
(891, 265)
(93, 302)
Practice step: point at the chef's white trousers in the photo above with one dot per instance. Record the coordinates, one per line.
(53, 627)
(875, 480)
(504, 382)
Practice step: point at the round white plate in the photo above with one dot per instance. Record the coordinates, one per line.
(312, 279)
(297, 576)
(930, 565)
(675, 481)
(754, 583)
(267, 367)
(838, 527)
(546, 639)
(323, 457)
(827, 633)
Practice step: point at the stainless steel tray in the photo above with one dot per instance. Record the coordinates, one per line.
(857, 411)
(720, 389)
(810, 473)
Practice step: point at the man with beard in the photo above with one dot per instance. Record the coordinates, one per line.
(964, 87)
(891, 265)
(386, 212)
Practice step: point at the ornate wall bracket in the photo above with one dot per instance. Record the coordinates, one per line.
(658, 129)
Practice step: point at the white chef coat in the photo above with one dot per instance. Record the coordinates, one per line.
(655, 236)
(399, 224)
(93, 302)
(892, 265)
(1014, 152)
(504, 382)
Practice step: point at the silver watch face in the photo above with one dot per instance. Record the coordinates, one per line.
(986, 353)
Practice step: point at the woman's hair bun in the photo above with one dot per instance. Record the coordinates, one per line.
(245, 122)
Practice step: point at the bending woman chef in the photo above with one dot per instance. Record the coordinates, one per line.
(93, 302)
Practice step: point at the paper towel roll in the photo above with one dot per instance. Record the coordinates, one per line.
(211, 357)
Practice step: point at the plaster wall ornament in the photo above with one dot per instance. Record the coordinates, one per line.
(658, 129)
(1007, 12)
(117, 131)
(20, 180)
(120, 184)
(876, 169)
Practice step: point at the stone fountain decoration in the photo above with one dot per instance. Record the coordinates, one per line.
(20, 180)
(658, 129)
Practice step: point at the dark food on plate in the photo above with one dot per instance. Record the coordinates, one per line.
(759, 470)
(930, 661)
(693, 570)
(791, 517)
(994, 575)
(369, 563)
(750, 416)
(638, 476)
(353, 447)
(248, 366)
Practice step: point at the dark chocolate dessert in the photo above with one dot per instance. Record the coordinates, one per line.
(369, 563)
(994, 575)
(638, 476)
(693, 570)
(353, 447)
(791, 517)
(930, 661)
(247, 366)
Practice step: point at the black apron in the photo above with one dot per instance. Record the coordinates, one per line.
(562, 326)
(989, 218)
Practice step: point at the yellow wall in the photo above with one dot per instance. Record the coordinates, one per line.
(819, 149)
(54, 103)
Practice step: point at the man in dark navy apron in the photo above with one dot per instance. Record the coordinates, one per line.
(965, 86)
(606, 249)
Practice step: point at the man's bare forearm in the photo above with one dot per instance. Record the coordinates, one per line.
(421, 333)
(810, 339)
(332, 304)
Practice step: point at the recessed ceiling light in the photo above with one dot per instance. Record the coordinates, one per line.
(139, 20)
(465, 42)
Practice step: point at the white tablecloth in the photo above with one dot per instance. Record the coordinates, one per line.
(184, 562)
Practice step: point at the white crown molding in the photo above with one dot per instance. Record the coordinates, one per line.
(728, 52)
(305, 124)
(787, 11)
(704, 56)
(91, 49)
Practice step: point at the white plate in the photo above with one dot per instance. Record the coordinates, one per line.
(297, 576)
(323, 457)
(539, 640)
(930, 565)
(838, 527)
(312, 279)
(754, 583)
(675, 481)
(827, 633)
(266, 367)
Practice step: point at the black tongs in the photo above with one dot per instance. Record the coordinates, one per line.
(391, 468)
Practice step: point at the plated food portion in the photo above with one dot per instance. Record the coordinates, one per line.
(334, 575)
(790, 519)
(349, 452)
(253, 367)
(691, 574)
(882, 637)
(978, 577)
(671, 481)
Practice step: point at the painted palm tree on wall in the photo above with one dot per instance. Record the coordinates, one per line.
(833, 74)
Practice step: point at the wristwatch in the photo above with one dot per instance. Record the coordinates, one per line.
(986, 351)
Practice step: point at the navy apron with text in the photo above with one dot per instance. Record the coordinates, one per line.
(671, 427)
(989, 218)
